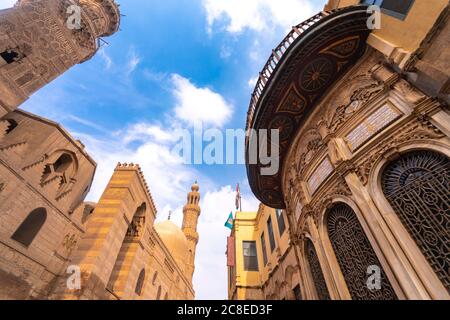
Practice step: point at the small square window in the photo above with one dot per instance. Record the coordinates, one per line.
(9, 56)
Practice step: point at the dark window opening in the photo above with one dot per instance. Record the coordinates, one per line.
(63, 163)
(297, 293)
(11, 126)
(10, 56)
(250, 256)
(401, 7)
(263, 248)
(281, 223)
(30, 227)
(396, 8)
(158, 295)
(271, 235)
(140, 282)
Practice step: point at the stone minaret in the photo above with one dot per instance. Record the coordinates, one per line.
(41, 39)
(191, 212)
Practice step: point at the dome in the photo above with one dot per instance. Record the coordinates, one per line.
(175, 241)
(195, 187)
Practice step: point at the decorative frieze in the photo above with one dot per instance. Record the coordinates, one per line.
(371, 126)
(418, 129)
(322, 172)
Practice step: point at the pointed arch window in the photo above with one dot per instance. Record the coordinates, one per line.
(417, 186)
(30, 227)
(355, 255)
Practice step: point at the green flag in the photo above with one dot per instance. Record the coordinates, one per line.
(230, 222)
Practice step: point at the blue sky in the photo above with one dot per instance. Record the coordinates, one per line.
(174, 61)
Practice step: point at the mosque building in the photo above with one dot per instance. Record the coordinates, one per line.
(53, 245)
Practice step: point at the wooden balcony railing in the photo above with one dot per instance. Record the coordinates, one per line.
(275, 58)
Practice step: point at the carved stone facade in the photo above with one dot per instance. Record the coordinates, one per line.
(370, 118)
(365, 173)
(53, 245)
(41, 167)
(123, 253)
(118, 250)
(37, 44)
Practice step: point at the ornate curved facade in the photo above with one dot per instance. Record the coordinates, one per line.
(365, 168)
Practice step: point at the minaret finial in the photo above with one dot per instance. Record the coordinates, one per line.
(170, 215)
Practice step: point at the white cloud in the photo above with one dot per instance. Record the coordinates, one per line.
(252, 82)
(7, 4)
(106, 58)
(167, 176)
(195, 104)
(226, 52)
(133, 60)
(258, 15)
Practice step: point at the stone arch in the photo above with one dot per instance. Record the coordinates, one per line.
(288, 275)
(60, 162)
(88, 210)
(310, 144)
(125, 261)
(416, 185)
(30, 227)
(137, 225)
(355, 254)
(424, 279)
(59, 170)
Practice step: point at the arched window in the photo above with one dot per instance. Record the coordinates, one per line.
(356, 256)
(155, 276)
(30, 227)
(63, 163)
(158, 295)
(316, 271)
(58, 169)
(140, 282)
(166, 296)
(417, 187)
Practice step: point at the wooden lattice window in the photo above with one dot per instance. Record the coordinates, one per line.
(417, 185)
(356, 255)
(316, 271)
